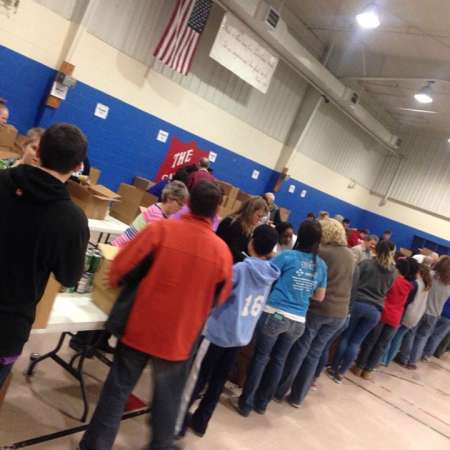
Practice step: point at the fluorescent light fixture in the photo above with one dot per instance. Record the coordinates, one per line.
(368, 19)
(424, 95)
(448, 140)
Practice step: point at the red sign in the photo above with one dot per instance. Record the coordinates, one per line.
(180, 154)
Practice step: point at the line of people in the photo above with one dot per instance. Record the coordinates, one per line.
(193, 298)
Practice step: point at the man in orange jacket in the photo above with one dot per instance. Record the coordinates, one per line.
(190, 273)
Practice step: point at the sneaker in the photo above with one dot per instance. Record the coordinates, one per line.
(330, 372)
(411, 367)
(338, 378)
(366, 375)
(314, 387)
(357, 371)
(426, 358)
(293, 404)
(278, 399)
(234, 402)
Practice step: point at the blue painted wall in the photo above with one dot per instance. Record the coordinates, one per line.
(125, 144)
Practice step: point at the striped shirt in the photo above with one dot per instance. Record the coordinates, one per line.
(152, 214)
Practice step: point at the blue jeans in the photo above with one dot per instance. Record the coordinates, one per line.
(168, 384)
(324, 358)
(394, 346)
(363, 320)
(275, 337)
(424, 331)
(441, 330)
(374, 346)
(305, 355)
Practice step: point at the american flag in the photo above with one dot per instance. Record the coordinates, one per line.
(180, 38)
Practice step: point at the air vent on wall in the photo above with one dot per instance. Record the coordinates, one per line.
(272, 17)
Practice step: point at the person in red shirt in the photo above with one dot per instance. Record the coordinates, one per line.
(202, 174)
(395, 302)
(190, 273)
(356, 236)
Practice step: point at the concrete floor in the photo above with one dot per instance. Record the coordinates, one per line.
(398, 410)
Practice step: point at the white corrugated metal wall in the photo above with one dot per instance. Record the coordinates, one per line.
(424, 176)
(135, 26)
(339, 144)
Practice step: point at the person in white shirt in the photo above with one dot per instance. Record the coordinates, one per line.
(287, 237)
(366, 250)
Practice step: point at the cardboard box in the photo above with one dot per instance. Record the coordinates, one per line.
(45, 305)
(128, 209)
(8, 136)
(93, 200)
(4, 389)
(149, 200)
(94, 175)
(143, 183)
(103, 295)
(243, 196)
(284, 214)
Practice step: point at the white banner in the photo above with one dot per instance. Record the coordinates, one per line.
(240, 50)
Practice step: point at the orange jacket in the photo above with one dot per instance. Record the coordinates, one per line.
(191, 271)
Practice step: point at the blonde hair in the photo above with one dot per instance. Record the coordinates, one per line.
(385, 252)
(333, 232)
(244, 214)
(33, 134)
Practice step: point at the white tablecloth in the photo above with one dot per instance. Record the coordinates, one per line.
(108, 225)
(74, 312)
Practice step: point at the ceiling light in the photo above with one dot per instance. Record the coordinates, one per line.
(448, 140)
(424, 95)
(368, 19)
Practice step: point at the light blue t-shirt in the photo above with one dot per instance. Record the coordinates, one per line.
(300, 277)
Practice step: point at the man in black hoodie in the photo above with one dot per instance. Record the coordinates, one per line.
(41, 232)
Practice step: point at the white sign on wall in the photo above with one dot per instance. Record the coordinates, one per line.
(162, 136)
(255, 174)
(101, 111)
(291, 189)
(303, 193)
(212, 156)
(240, 50)
(59, 90)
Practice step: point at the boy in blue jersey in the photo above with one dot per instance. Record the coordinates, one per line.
(231, 326)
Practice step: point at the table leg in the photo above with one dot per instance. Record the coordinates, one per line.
(76, 372)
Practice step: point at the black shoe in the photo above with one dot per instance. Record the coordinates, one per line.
(234, 402)
(259, 411)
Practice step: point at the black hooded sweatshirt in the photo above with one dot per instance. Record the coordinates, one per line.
(41, 232)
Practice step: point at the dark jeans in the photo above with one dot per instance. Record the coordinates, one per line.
(274, 339)
(424, 331)
(374, 346)
(363, 320)
(168, 382)
(324, 358)
(441, 330)
(4, 372)
(213, 375)
(305, 355)
(394, 345)
(407, 345)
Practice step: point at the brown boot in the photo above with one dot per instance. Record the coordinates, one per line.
(357, 371)
(366, 375)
